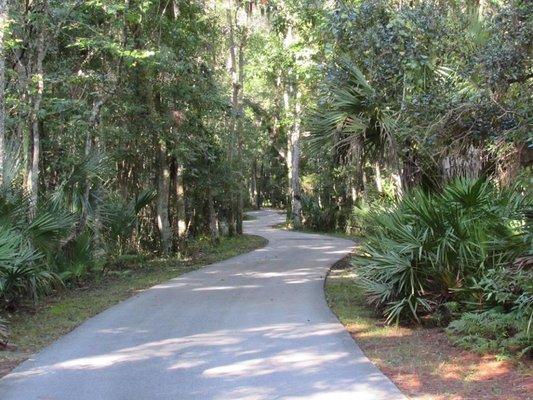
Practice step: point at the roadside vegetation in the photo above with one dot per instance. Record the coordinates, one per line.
(421, 148)
(457, 258)
(422, 361)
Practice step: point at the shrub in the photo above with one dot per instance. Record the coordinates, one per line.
(23, 245)
(493, 331)
(52, 247)
(316, 217)
(432, 248)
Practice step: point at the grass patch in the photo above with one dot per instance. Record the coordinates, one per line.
(422, 362)
(33, 329)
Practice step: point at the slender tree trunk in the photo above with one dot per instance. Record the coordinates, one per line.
(396, 166)
(231, 217)
(296, 205)
(189, 212)
(255, 185)
(260, 186)
(397, 176)
(398, 185)
(293, 145)
(33, 175)
(179, 201)
(3, 22)
(235, 107)
(356, 184)
(377, 177)
(163, 195)
(240, 138)
(163, 176)
(213, 228)
(21, 130)
(288, 153)
(94, 121)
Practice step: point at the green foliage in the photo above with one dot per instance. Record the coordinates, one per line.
(113, 73)
(431, 248)
(36, 254)
(320, 218)
(493, 331)
(119, 218)
(26, 245)
(352, 113)
(21, 273)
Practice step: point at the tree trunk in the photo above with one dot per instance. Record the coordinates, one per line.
(357, 186)
(260, 186)
(163, 194)
(213, 228)
(189, 212)
(398, 185)
(396, 166)
(255, 185)
(179, 201)
(3, 22)
(235, 107)
(162, 174)
(231, 217)
(94, 121)
(240, 138)
(35, 153)
(296, 205)
(377, 177)
(288, 153)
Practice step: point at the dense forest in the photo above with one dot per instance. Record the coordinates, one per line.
(137, 126)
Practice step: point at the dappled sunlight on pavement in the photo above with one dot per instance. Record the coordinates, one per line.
(252, 327)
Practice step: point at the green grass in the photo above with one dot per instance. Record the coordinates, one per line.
(347, 301)
(31, 330)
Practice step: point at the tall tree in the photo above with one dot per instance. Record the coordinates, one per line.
(3, 27)
(35, 65)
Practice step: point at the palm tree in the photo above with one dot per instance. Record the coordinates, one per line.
(354, 116)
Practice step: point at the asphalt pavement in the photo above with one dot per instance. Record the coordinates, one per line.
(254, 327)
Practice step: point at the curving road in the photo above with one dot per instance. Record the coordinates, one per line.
(250, 328)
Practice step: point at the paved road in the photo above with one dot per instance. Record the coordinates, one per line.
(250, 328)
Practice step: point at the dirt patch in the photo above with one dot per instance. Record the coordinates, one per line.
(423, 363)
(442, 371)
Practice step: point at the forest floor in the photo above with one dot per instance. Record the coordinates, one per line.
(32, 329)
(422, 362)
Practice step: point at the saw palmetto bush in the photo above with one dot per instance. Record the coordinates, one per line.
(56, 242)
(431, 248)
(119, 218)
(29, 241)
(21, 269)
